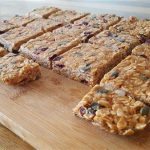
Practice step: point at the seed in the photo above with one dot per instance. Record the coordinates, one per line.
(95, 106)
(90, 111)
(85, 68)
(143, 77)
(96, 25)
(145, 110)
(114, 74)
(103, 91)
(78, 54)
(120, 39)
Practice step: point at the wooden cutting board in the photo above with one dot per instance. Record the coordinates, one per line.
(41, 114)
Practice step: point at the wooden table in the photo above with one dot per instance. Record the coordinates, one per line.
(8, 8)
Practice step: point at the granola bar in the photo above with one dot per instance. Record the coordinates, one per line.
(67, 16)
(2, 51)
(133, 26)
(21, 20)
(88, 63)
(16, 69)
(115, 41)
(5, 26)
(113, 112)
(43, 12)
(13, 39)
(99, 21)
(142, 50)
(132, 75)
(75, 30)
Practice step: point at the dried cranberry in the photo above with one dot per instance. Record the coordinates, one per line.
(148, 41)
(84, 81)
(142, 38)
(57, 58)
(60, 66)
(82, 110)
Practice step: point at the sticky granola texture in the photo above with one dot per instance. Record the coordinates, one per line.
(67, 16)
(132, 75)
(142, 50)
(16, 69)
(43, 12)
(113, 111)
(5, 26)
(21, 20)
(133, 26)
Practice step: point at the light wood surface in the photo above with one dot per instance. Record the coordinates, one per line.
(41, 114)
(9, 141)
(37, 105)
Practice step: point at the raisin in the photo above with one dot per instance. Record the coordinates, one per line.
(85, 23)
(44, 49)
(60, 66)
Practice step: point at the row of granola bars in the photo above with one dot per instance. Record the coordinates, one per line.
(85, 47)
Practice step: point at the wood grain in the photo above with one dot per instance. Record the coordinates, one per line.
(9, 140)
(41, 114)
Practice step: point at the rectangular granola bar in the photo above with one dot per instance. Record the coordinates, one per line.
(99, 21)
(142, 50)
(133, 26)
(21, 20)
(113, 112)
(2, 51)
(43, 12)
(132, 75)
(67, 16)
(115, 41)
(16, 69)
(88, 63)
(13, 39)
(5, 26)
